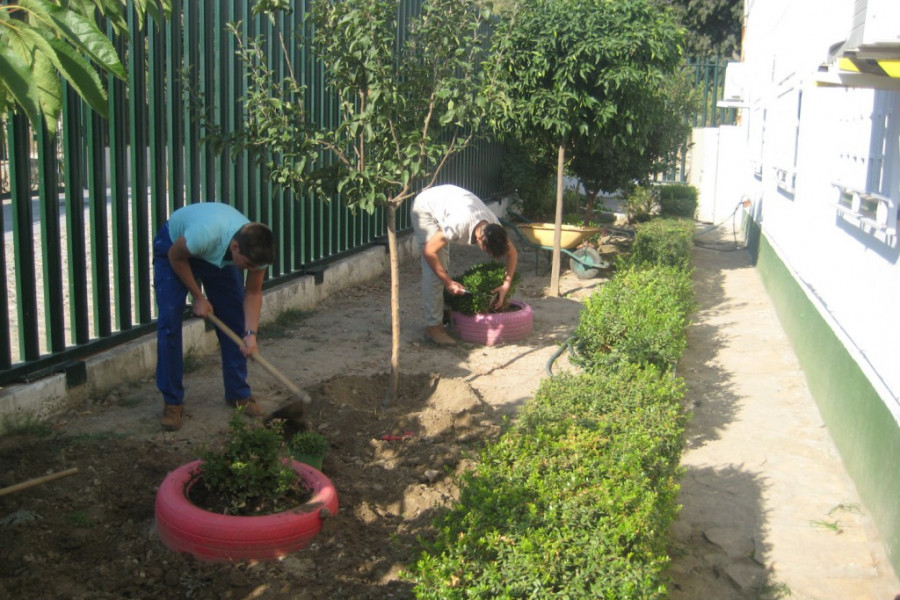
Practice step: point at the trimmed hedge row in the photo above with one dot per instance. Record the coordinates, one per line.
(576, 497)
(663, 242)
(637, 317)
(678, 200)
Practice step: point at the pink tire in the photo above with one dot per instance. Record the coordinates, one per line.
(495, 328)
(183, 527)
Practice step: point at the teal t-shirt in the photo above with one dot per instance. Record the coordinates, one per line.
(208, 228)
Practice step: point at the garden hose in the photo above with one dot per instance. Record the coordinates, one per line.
(712, 227)
(558, 353)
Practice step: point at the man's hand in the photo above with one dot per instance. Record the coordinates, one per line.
(201, 307)
(500, 295)
(249, 346)
(455, 288)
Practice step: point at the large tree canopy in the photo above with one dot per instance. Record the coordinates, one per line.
(586, 71)
(651, 147)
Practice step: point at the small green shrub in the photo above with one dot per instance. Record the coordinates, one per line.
(639, 316)
(663, 242)
(24, 424)
(308, 443)
(678, 200)
(249, 476)
(480, 281)
(284, 324)
(641, 202)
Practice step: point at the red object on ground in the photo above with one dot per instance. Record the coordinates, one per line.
(184, 527)
(407, 435)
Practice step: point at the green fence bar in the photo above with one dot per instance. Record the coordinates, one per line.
(23, 237)
(77, 251)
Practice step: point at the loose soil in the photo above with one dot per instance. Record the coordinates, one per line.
(92, 534)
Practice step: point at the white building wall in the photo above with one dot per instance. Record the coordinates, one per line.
(800, 141)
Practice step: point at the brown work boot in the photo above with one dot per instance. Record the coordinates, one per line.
(171, 419)
(437, 335)
(251, 407)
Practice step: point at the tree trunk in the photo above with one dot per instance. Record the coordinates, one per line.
(557, 231)
(394, 381)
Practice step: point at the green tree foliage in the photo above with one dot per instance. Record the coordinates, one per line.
(407, 101)
(614, 158)
(43, 41)
(713, 26)
(581, 71)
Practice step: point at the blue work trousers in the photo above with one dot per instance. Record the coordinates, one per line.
(224, 288)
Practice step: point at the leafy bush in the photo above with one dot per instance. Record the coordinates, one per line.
(641, 203)
(678, 200)
(480, 281)
(249, 475)
(532, 173)
(308, 442)
(639, 316)
(663, 242)
(574, 501)
(576, 498)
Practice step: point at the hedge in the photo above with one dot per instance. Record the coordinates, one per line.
(575, 499)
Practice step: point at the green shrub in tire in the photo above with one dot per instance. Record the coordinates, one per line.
(185, 528)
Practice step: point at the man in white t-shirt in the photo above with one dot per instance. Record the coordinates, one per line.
(445, 214)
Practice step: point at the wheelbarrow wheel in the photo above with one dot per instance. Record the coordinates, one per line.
(586, 263)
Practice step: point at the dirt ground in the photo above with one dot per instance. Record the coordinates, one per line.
(92, 534)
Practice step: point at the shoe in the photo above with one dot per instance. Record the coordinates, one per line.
(437, 335)
(251, 407)
(171, 419)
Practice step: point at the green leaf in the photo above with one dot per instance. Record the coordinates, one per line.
(82, 33)
(18, 80)
(78, 72)
(46, 82)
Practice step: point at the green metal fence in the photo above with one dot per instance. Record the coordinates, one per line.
(80, 208)
(709, 82)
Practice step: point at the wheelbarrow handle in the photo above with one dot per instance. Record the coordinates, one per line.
(255, 354)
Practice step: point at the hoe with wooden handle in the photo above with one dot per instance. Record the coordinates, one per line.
(300, 394)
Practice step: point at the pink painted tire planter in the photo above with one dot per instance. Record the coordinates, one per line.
(495, 328)
(183, 527)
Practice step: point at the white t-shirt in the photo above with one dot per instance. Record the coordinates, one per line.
(454, 210)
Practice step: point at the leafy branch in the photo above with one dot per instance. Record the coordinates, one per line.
(43, 41)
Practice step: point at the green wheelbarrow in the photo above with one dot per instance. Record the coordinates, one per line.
(584, 261)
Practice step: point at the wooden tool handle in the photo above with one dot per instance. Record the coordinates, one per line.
(37, 481)
(256, 355)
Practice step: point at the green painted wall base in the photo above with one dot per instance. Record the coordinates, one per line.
(864, 430)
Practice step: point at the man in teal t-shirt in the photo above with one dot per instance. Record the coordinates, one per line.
(202, 249)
